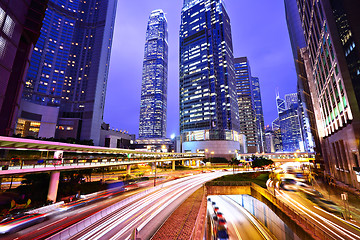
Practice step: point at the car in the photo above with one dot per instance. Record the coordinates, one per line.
(216, 209)
(289, 184)
(20, 221)
(222, 233)
(222, 222)
(329, 206)
(219, 214)
(213, 203)
(209, 199)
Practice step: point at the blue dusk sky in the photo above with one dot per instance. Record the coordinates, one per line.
(259, 32)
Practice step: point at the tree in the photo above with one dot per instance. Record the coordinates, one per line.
(234, 162)
(260, 162)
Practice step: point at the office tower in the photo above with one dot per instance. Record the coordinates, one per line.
(154, 78)
(275, 124)
(298, 45)
(69, 67)
(332, 31)
(246, 101)
(259, 114)
(20, 25)
(209, 114)
(269, 141)
(290, 99)
(278, 145)
(291, 135)
(280, 104)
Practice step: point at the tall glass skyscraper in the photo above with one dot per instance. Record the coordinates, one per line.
(259, 114)
(154, 78)
(208, 106)
(20, 24)
(246, 101)
(69, 66)
(332, 61)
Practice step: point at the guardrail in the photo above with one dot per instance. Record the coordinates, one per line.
(302, 221)
(306, 224)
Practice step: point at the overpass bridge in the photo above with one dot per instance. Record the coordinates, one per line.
(104, 157)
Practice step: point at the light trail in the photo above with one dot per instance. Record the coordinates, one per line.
(341, 232)
(139, 213)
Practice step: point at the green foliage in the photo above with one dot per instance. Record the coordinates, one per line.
(255, 177)
(260, 162)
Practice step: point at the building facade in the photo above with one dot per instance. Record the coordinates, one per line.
(332, 34)
(290, 99)
(208, 103)
(290, 130)
(298, 45)
(70, 64)
(259, 114)
(245, 90)
(280, 104)
(153, 106)
(20, 25)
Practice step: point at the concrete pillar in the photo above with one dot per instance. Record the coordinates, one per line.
(128, 169)
(173, 165)
(53, 186)
(182, 162)
(197, 163)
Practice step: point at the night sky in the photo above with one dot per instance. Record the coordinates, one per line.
(259, 32)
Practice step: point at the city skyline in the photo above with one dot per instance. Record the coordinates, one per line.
(272, 62)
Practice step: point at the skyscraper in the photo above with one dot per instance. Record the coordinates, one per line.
(259, 114)
(246, 90)
(332, 32)
(209, 113)
(69, 67)
(20, 25)
(298, 45)
(154, 78)
(280, 104)
(290, 130)
(290, 99)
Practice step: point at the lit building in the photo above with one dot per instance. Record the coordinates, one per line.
(275, 124)
(290, 130)
(298, 45)
(20, 25)
(332, 64)
(114, 138)
(269, 141)
(70, 63)
(278, 146)
(36, 120)
(290, 99)
(246, 94)
(280, 104)
(154, 78)
(259, 114)
(209, 113)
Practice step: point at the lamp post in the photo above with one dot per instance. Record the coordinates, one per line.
(155, 174)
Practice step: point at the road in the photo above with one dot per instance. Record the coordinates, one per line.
(241, 225)
(333, 225)
(146, 213)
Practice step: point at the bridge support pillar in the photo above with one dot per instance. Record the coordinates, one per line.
(53, 186)
(197, 163)
(182, 162)
(128, 169)
(173, 165)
